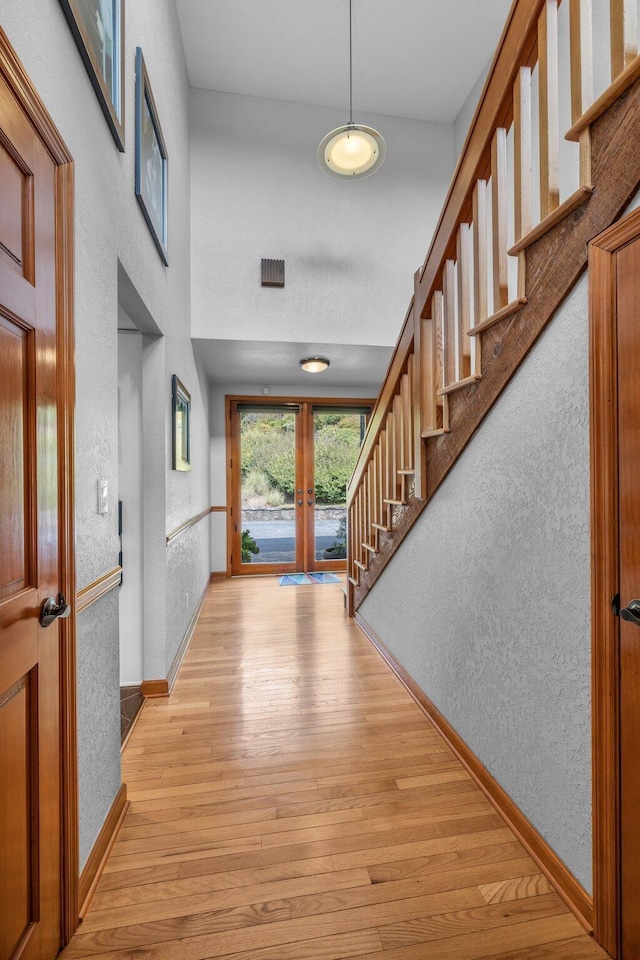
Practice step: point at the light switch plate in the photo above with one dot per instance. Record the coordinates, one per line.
(103, 497)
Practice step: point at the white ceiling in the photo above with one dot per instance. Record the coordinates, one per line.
(267, 362)
(411, 58)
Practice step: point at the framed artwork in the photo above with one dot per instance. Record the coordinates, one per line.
(98, 29)
(181, 407)
(151, 161)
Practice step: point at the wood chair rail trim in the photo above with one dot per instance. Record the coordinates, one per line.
(191, 522)
(572, 893)
(98, 588)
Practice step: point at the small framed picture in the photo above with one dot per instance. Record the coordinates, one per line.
(181, 405)
(98, 29)
(151, 161)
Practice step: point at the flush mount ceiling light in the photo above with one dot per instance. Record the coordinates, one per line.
(314, 364)
(353, 151)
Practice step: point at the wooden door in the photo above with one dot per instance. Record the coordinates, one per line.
(614, 279)
(628, 354)
(34, 541)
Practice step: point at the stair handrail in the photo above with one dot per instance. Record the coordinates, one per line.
(517, 48)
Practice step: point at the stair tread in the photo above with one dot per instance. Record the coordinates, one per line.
(360, 566)
(407, 473)
(370, 547)
(395, 503)
(381, 526)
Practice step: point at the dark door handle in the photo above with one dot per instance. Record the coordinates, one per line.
(632, 613)
(54, 608)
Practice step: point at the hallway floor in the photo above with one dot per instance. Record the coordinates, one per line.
(291, 802)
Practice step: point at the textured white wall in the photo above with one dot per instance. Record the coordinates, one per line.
(110, 228)
(351, 249)
(491, 591)
(188, 560)
(131, 625)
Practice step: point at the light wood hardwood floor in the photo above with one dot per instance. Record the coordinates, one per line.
(291, 802)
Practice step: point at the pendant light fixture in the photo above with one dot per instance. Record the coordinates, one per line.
(353, 151)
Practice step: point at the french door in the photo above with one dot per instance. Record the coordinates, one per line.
(289, 463)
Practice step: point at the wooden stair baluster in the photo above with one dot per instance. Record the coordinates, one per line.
(407, 394)
(463, 319)
(581, 55)
(548, 108)
(624, 35)
(450, 364)
(522, 165)
(435, 413)
(480, 273)
(499, 215)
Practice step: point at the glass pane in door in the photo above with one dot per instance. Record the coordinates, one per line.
(337, 439)
(268, 479)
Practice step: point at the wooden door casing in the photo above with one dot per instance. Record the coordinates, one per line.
(38, 794)
(614, 290)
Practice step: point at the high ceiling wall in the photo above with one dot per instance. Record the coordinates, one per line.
(350, 248)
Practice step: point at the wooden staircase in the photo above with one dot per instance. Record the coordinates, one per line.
(506, 252)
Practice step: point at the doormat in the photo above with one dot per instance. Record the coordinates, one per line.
(299, 579)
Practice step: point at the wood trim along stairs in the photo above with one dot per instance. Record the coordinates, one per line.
(573, 894)
(92, 870)
(615, 139)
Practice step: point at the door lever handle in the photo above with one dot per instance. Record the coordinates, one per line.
(54, 608)
(632, 612)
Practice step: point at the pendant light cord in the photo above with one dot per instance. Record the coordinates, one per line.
(350, 63)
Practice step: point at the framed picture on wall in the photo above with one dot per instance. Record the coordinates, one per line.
(151, 161)
(181, 407)
(98, 29)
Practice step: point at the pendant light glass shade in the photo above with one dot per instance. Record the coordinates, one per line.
(351, 151)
